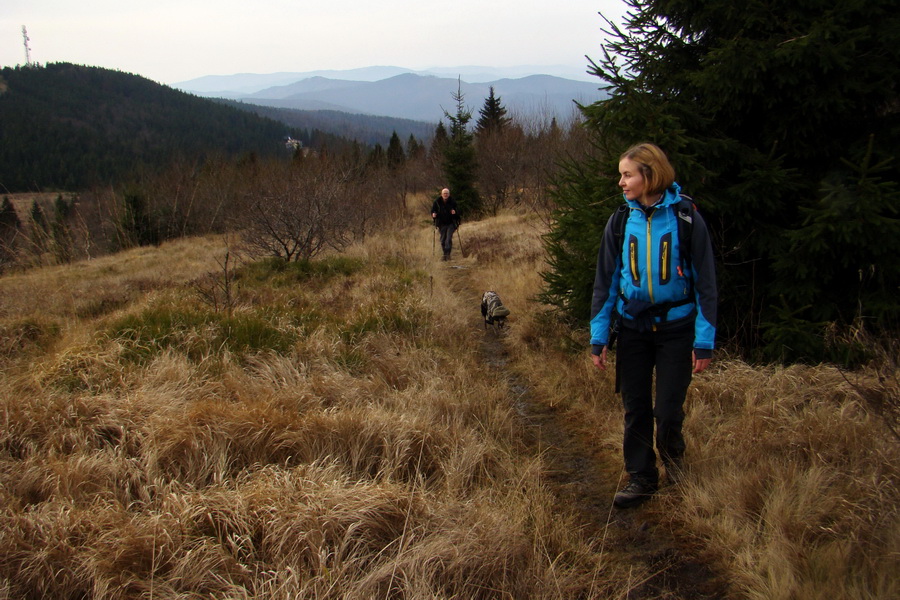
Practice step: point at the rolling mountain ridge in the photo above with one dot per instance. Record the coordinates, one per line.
(248, 83)
(415, 96)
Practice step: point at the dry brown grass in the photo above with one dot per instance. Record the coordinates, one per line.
(356, 445)
(92, 288)
(795, 483)
(374, 457)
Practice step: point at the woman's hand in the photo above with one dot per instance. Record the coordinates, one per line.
(600, 360)
(699, 364)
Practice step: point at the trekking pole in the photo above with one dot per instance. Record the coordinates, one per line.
(459, 237)
(433, 237)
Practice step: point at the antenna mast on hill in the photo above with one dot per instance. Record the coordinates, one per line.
(25, 38)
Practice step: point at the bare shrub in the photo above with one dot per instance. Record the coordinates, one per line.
(301, 210)
(501, 166)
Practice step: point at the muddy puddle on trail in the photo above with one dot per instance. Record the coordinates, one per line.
(581, 480)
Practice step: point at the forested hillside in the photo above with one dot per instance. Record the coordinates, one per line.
(67, 127)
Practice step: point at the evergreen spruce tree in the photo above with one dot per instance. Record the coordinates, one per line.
(39, 234)
(137, 228)
(439, 143)
(841, 266)
(764, 110)
(496, 143)
(9, 219)
(38, 219)
(377, 157)
(459, 159)
(395, 155)
(413, 148)
(60, 229)
(492, 116)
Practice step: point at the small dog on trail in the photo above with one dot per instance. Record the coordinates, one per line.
(493, 311)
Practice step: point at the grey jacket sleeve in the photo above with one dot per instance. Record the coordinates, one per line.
(705, 289)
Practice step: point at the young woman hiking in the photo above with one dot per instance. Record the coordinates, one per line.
(658, 292)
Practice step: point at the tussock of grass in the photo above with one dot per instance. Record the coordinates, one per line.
(279, 273)
(27, 335)
(199, 333)
(84, 369)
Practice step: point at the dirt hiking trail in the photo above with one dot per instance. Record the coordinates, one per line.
(582, 479)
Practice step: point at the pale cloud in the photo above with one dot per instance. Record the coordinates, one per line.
(176, 40)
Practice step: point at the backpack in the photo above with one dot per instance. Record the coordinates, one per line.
(492, 308)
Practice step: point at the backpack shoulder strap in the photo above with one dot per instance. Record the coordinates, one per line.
(684, 210)
(620, 217)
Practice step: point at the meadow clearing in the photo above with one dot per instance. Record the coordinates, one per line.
(179, 426)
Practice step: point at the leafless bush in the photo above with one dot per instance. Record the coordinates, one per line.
(382, 196)
(302, 210)
(194, 197)
(501, 165)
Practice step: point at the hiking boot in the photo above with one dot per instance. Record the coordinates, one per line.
(635, 492)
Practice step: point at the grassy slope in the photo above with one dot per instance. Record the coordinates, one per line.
(338, 434)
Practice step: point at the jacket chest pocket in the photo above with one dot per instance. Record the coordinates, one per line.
(665, 259)
(633, 261)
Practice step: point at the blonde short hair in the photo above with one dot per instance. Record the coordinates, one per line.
(656, 169)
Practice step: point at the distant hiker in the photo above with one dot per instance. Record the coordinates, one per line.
(659, 299)
(446, 219)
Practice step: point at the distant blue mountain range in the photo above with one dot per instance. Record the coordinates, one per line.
(401, 93)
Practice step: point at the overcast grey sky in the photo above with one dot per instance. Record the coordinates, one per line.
(175, 40)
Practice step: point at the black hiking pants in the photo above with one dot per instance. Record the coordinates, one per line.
(668, 352)
(447, 237)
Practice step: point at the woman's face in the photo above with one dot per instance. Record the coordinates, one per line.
(631, 180)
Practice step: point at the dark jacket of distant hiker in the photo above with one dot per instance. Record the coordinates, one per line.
(442, 209)
(446, 222)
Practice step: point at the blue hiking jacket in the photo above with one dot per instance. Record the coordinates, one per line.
(648, 268)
